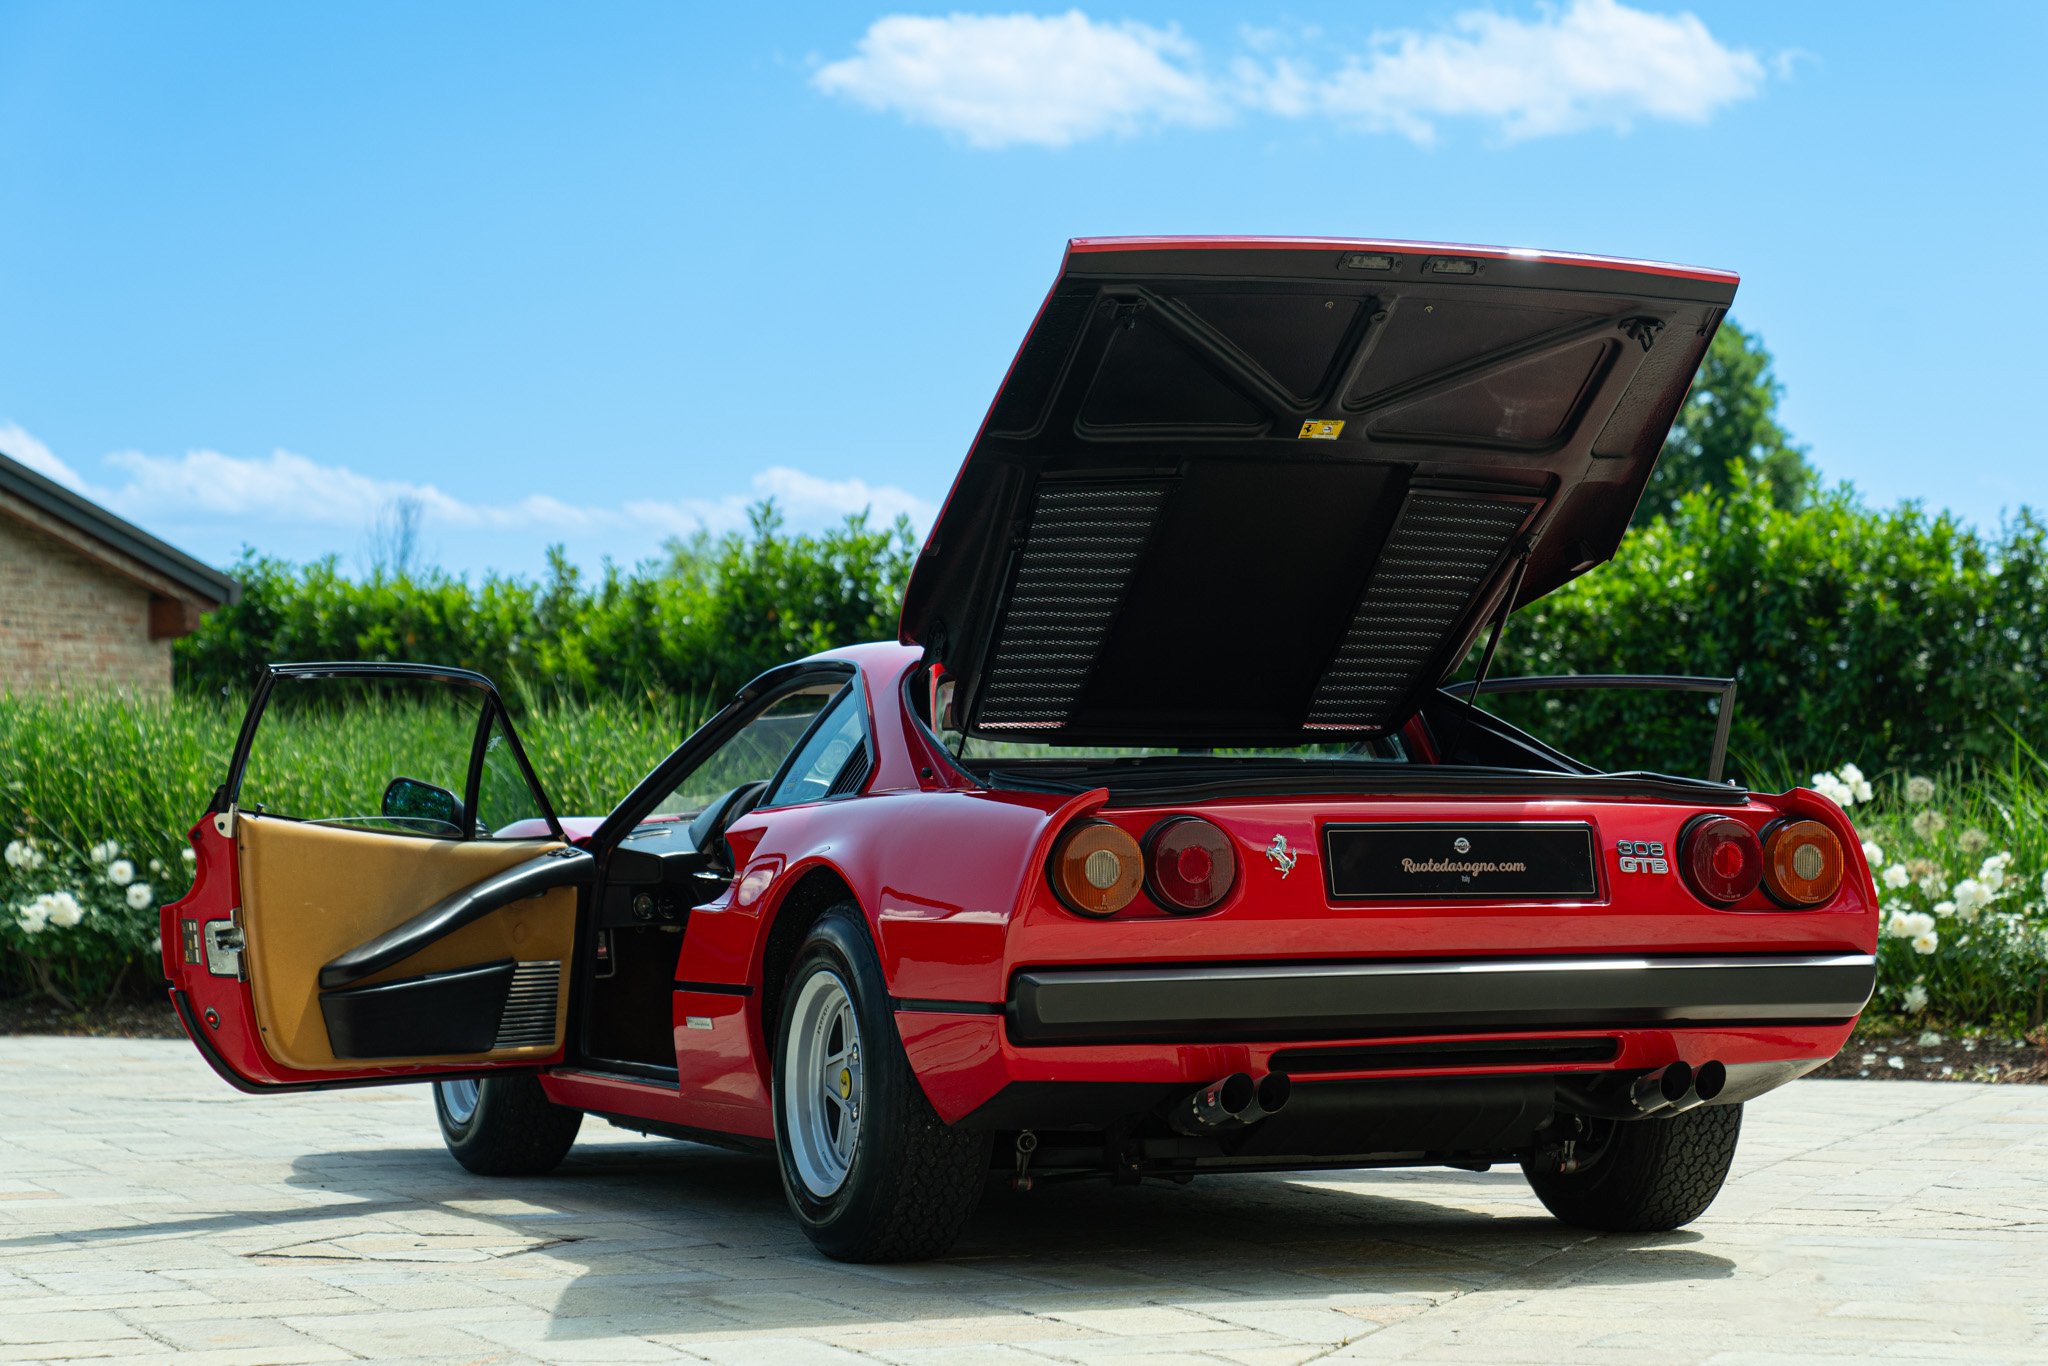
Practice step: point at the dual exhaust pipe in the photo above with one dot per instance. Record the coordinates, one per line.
(1669, 1090)
(1231, 1102)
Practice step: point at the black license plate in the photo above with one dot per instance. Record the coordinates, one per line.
(1514, 862)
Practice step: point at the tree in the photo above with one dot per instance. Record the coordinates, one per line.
(393, 542)
(1729, 419)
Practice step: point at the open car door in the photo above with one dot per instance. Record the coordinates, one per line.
(382, 891)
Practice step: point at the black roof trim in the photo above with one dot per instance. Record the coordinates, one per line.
(48, 496)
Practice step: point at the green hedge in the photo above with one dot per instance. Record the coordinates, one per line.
(713, 615)
(1886, 638)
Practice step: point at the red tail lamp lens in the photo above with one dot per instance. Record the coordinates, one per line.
(1193, 864)
(1096, 868)
(1722, 858)
(1803, 863)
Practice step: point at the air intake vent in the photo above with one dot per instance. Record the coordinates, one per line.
(853, 775)
(1083, 545)
(528, 1019)
(1442, 552)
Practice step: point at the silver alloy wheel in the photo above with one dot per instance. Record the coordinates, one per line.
(459, 1098)
(821, 1083)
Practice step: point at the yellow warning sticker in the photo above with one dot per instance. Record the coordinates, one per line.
(1318, 430)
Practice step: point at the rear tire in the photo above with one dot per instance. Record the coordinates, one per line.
(871, 1172)
(506, 1127)
(1644, 1175)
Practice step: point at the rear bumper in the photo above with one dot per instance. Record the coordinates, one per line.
(1229, 1003)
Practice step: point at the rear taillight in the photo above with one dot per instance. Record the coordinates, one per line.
(1096, 868)
(1191, 864)
(1803, 863)
(1721, 858)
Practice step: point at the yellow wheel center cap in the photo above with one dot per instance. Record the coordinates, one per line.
(845, 1083)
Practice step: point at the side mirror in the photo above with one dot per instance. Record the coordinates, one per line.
(409, 799)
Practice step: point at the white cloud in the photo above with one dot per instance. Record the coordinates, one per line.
(245, 496)
(998, 80)
(1001, 79)
(21, 446)
(806, 497)
(1591, 64)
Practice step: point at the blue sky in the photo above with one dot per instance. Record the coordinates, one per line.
(600, 274)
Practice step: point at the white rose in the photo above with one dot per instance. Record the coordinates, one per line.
(32, 917)
(105, 852)
(1919, 922)
(139, 895)
(1919, 791)
(188, 856)
(64, 909)
(1914, 999)
(1873, 853)
(24, 855)
(2044, 884)
(1834, 789)
(1971, 895)
(1895, 926)
(120, 872)
(1897, 878)
(1945, 909)
(1927, 943)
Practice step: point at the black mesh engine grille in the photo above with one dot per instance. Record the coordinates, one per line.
(1440, 555)
(1082, 546)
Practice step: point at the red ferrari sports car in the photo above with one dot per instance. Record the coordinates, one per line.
(1155, 848)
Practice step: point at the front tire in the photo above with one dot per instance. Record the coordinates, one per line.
(870, 1170)
(504, 1125)
(1644, 1175)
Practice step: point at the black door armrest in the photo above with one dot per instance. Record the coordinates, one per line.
(543, 873)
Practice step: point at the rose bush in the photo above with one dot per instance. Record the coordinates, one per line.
(79, 924)
(1962, 872)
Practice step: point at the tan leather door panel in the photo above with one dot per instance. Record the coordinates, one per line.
(313, 892)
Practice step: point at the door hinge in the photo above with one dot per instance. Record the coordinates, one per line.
(224, 946)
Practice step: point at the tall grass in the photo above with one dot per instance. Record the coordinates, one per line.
(97, 794)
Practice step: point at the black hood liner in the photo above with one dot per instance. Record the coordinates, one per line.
(1150, 542)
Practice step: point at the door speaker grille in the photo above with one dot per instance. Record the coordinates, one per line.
(1083, 544)
(1440, 555)
(528, 1019)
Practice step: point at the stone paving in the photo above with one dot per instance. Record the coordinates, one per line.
(147, 1211)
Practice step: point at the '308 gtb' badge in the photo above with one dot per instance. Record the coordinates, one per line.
(1283, 858)
(1642, 856)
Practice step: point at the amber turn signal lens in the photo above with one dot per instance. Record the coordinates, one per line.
(1721, 858)
(1803, 863)
(1192, 864)
(1097, 868)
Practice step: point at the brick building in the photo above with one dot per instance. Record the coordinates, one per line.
(88, 601)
